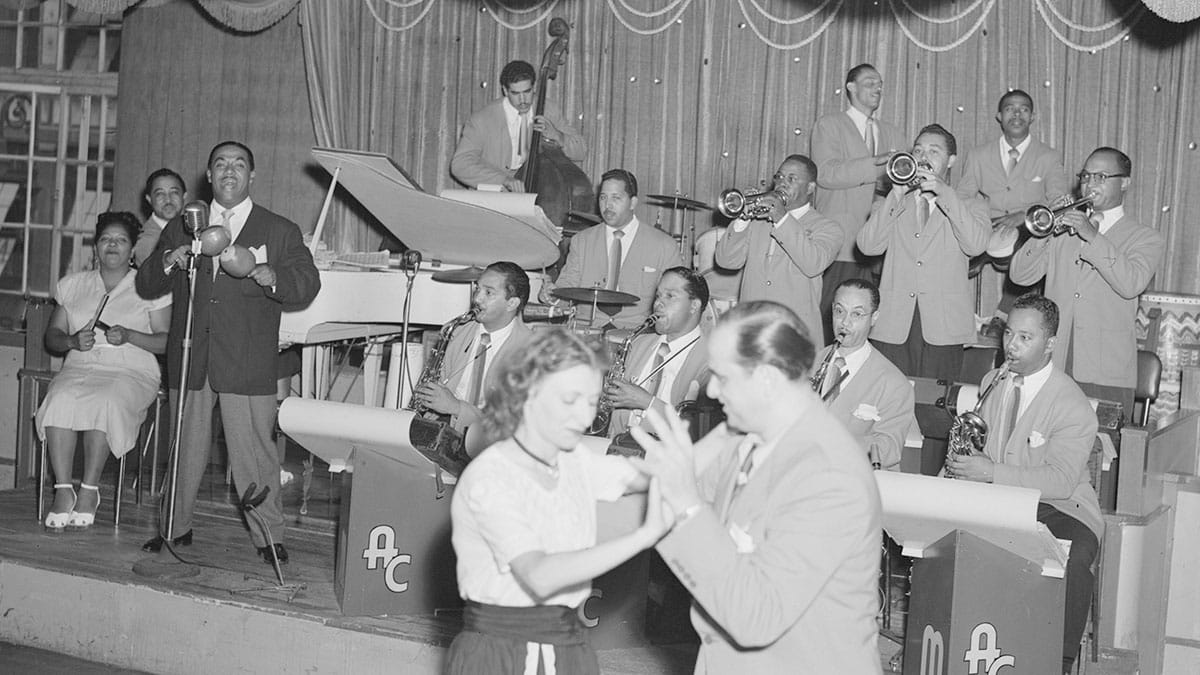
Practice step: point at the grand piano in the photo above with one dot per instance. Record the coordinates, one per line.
(455, 229)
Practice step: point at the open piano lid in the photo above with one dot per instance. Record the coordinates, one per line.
(441, 229)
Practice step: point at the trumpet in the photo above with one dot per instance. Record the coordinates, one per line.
(734, 203)
(902, 169)
(1043, 221)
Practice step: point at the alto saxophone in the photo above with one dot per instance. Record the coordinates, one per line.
(615, 372)
(818, 377)
(968, 432)
(431, 433)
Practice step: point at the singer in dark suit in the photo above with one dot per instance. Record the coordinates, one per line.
(235, 340)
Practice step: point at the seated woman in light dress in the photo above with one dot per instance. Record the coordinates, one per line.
(109, 376)
(524, 515)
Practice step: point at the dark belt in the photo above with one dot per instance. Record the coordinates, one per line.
(552, 624)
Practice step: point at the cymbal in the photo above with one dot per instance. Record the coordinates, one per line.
(600, 296)
(679, 202)
(465, 275)
(588, 217)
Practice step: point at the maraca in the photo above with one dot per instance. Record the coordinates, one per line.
(237, 261)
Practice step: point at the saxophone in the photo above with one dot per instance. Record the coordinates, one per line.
(615, 372)
(429, 432)
(818, 377)
(968, 431)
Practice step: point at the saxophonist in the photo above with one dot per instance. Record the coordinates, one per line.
(864, 390)
(1040, 435)
(498, 331)
(668, 366)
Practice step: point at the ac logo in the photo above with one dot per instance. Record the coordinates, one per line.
(382, 551)
(983, 656)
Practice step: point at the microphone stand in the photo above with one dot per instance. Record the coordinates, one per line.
(412, 263)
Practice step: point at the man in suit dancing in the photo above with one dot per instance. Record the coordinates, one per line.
(495, 142)
(499, 300)
(784, 254)
(1041, 431)
(777, 524)
(851, 149)
(620, 254)
(235, 342)
(670, 365)
(1096, 274)
(864, 390)
(929, 232)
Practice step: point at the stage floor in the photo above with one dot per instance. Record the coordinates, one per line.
(233, 609)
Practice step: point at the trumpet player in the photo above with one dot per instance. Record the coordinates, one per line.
(785, 251)
(1096, 275)
(669, 366)
(929, 232)
(851, 149)
(869, 395)
(497, 332)
(1040, 435)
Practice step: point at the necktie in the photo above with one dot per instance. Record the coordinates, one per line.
(614, 260)
(834, 386)
(1013, 156)
(922, 210)
(660, 357)
(1012, 412)
(523, 138)
(227, 223)
(743, 474)
(869, 136)
(475, 391)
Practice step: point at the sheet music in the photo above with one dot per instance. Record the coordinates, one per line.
(519, 205)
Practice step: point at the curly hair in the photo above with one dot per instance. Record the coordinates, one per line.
(550, 351)
(123, 219)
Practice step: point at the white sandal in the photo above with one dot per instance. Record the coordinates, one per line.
(56, 520)
(79, 520)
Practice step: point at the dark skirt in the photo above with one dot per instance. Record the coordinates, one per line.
(515, 640)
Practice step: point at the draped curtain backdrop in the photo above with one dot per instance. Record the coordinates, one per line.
(699, 95)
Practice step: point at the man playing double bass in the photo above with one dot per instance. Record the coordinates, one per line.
(495, 141)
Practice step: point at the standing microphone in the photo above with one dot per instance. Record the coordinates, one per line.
(412, 262)
(195, 217)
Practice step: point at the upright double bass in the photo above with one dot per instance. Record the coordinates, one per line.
(561, 186)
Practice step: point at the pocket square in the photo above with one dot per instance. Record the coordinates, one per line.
(260, 254)
(867, 412)
(1037, 179)
(649, 269)
(741, 539)
(1036, 439)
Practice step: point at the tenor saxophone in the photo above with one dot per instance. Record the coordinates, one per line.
(969, 432)
(615, 372)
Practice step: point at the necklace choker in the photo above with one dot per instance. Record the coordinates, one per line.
(551, 469)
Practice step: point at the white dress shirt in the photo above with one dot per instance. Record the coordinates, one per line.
(1110, 217)
(630, 231)
(513, 119)
(680, 348)
(237, 220)
(498, 337)
(1005, 147)
(855, 360)
(860, 123)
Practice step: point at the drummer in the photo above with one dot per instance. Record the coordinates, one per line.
(619, 254)
(498, 330)
(668, 366)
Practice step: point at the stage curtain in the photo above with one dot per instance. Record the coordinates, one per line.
(186, 84)
(693, 97)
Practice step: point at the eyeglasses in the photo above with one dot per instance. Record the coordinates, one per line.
(1086, 177)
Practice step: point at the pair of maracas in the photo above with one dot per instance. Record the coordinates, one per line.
(237, 261)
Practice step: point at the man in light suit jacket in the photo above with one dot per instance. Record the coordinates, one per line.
(851, 149)
(930, 234)
(644, 253)
(495, 141)
(784, 255)
(1011, 174)
(165, 194)
(777, 525)
(1041, 432)
(669, 366)
(498, 302)
(235, 341)
(865, 391)
(1096, 276)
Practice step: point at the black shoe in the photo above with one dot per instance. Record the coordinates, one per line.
(279, 553)
(155, 545)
